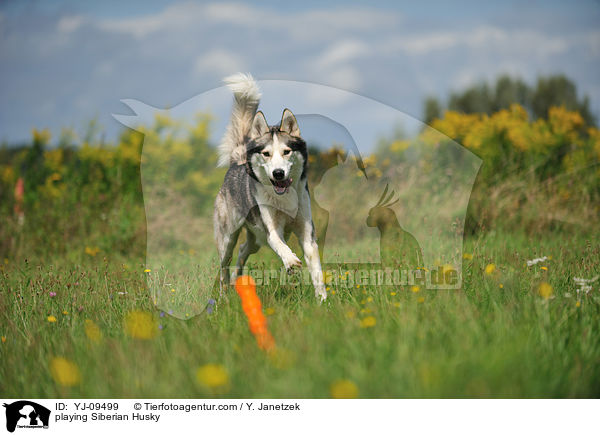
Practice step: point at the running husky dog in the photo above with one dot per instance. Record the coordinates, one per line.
(265, 189)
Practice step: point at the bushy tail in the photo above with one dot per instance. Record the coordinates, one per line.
(246, 98)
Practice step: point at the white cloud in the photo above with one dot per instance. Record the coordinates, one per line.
(185, 16)
(374, 52)
(240, 14)
(341, 52)
(484, 36)
(424, 43)
(218, 61)
(139, 27)
(345, 77)
(303, 26)
(464, 78)
(486, 39)
(337, 64)
(104, 69)
(350, 19)
(70, 23)
(530, 42)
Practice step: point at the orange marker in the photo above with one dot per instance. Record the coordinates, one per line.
(246, 288)
(19, 197)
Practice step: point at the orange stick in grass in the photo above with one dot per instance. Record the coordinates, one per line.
(246, 288)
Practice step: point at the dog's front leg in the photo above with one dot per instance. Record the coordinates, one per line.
(306, 236)
(275, 240)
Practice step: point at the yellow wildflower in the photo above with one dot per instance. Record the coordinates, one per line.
(415, 289)
(51, 319)
(212, 376)
(64, 372)
(42, 136)
(490, 269)
(3, 339)
(467, 256)
(92, 251)
(343, 389)
(92, 331)
(147, 270)
(141, 325)
(368, 322)
(545, 290)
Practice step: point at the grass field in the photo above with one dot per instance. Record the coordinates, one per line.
(512, 331)
(78, 243)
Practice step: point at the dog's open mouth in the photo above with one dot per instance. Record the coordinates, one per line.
(281, 186)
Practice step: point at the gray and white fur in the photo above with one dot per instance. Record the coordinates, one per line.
(265, 188)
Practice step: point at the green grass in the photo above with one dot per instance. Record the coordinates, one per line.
(481, 341)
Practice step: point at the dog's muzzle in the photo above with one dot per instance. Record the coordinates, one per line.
(281, 186)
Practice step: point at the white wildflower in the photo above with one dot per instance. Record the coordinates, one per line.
(585, 285)
(536, 261)
(586, 281)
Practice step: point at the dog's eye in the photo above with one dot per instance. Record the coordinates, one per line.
(266, 154)
(286, 152)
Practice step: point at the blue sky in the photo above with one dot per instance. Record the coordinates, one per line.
(63, 63)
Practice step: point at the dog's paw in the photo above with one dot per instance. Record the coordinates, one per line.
(320, 294)
(291, 262)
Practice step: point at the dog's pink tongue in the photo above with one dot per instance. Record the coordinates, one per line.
(281, 186)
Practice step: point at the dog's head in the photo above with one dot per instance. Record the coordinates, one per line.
(277, 154)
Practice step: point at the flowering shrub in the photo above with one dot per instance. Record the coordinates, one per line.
(508, 139)
(531, 168)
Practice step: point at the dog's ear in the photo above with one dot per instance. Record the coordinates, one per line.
(289, 124)
(259, 126)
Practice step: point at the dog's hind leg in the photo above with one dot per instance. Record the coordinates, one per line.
(226, 242)
(248, 248)
(227, 226)
(226, 238)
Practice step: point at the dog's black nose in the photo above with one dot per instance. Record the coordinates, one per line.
(278, 174)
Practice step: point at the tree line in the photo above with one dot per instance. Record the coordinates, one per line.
(549, 91)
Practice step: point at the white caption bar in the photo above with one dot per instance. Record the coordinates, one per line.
(297, 416)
